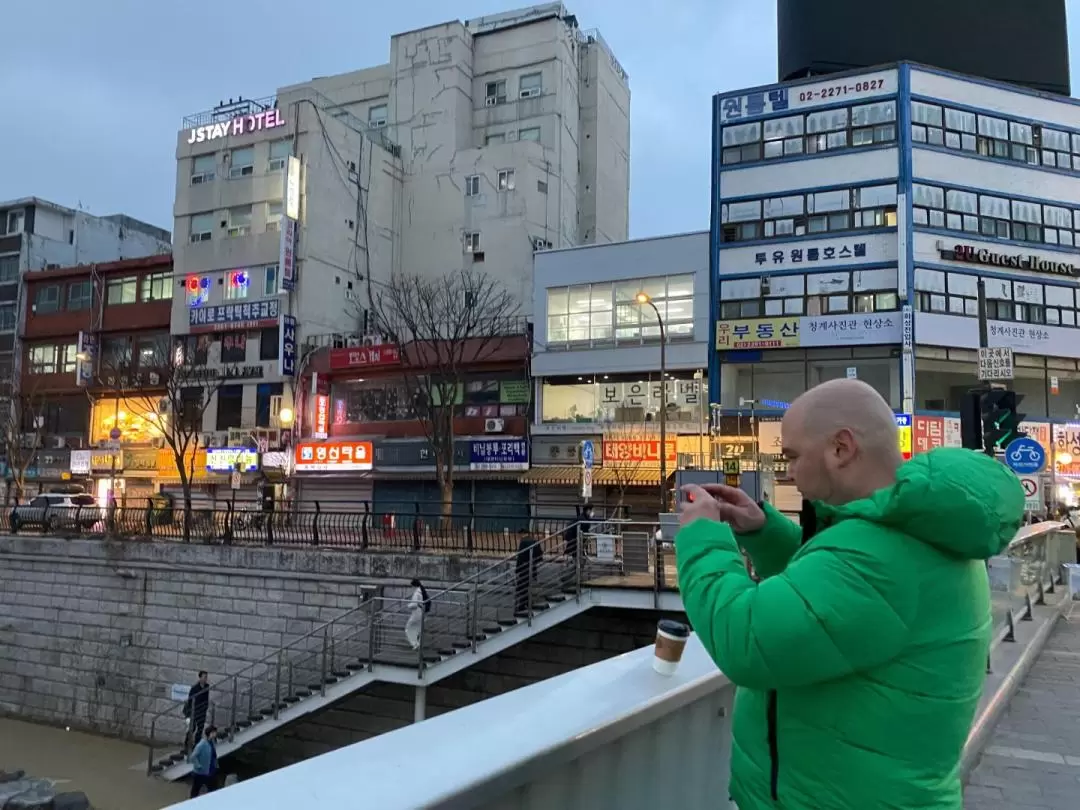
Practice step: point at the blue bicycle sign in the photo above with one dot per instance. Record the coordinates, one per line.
(1025, 456)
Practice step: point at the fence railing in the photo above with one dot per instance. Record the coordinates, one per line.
(381, 630)
(1028, 569)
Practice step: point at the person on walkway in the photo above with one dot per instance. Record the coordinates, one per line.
(573, 538)
(195, 709)
(204, 764)
(859, 657)
(419, 604)
(526, 568)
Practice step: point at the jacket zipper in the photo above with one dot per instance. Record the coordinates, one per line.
(774, 748)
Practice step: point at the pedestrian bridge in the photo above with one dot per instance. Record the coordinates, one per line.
(618, 735)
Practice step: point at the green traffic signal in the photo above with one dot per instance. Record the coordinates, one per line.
(1001, 420)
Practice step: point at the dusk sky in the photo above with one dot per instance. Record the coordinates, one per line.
(95, 92)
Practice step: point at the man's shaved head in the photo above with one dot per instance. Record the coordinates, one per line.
(840, 439)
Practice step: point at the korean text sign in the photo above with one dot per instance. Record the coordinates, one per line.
(347, 456)
(499, 454)
(637, 451)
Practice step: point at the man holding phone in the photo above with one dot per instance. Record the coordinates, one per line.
(860, 655)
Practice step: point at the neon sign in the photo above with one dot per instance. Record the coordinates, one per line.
(241, 125)
(198, 290)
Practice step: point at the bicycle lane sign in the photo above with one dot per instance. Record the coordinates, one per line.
(1025, 456)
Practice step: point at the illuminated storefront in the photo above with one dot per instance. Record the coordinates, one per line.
(137, 418)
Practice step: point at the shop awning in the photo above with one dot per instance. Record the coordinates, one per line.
(555, 474)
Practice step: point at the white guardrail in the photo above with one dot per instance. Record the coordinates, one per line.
(596, 737)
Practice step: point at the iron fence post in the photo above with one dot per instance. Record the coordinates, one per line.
(470, 529)
(579, 562)
(229, 516)
(364, 525)
(529, 596)
(416, 526)
(315, 525)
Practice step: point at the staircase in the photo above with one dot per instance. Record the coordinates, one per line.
(469, 621)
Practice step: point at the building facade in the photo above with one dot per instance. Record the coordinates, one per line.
(597, 367)
(854, 218)
(300, 202)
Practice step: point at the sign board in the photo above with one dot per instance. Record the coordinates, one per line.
(234, 480)
(225, 459)
(641, 451)
(852, 373)
(287, 346)
(588, 454)
(1033, 499)
(321, 428)
(179, 692)
(903, 433)
(287, 252)
(292, 188)
(499, 454)
(1025, 456)
(347, 456)
(996, 363)
(605, 547)
(586, 482)
(234, 317)
(731, 466)
(385, 354)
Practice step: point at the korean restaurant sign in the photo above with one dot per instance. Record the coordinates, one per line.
(386, 354)
(345, 456)
(775, 100)
(637, 451)
(867, 329)
(241, 125)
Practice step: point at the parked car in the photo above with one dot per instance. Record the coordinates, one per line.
(55, 510)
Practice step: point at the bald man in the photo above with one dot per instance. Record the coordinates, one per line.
(860, 655)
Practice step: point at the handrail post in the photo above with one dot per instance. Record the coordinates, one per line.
(325, 643)
(420, 649)
(150, 748)
(529, 596)
(251, 697)
(364, 526)
(474, 624)
(579, 562)
(371, 636)
(277, 684)
(292, 688)
(232, 721)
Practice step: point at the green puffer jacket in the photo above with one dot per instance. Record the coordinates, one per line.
(860, 656)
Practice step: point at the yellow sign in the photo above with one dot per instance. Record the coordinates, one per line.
(760, 333)
(903, 432)
(731, 466)
(166, 464)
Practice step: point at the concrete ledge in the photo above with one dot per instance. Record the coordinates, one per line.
(1010, 662)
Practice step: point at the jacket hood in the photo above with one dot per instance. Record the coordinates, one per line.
(962, 502)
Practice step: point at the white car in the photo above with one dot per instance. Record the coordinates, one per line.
(57, 510)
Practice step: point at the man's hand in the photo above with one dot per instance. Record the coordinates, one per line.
(723, 504)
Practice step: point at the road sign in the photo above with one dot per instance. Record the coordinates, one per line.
(996, 363)
(234, 480)
(588, 454)
(1025, 456)
(1033, 499)
(586, 482)
(731, 466)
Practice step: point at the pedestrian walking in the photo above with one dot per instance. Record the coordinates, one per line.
(526, 567)
(859, 659)
(419, 604)
(204, 763)
(196, 708)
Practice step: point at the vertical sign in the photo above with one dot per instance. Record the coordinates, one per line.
(291, 194)
(588, 457)
(902, 246)
(287, 255)
(287, 346)
(86, 354)
(321, 424)
(907, 356)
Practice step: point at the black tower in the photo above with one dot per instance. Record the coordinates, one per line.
(1023, 43)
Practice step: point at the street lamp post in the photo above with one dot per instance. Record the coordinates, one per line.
(645, 300)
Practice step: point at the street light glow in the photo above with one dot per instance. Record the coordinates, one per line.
(643, 298)
(285, 416)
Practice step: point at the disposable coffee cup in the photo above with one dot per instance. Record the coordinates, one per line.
(671, 639)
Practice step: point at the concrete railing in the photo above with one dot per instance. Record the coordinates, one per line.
(597, 737)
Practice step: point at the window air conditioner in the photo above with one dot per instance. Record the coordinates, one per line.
(59, 442)
(491, 101)
(532, 92)
(206, 440)
(494, 426)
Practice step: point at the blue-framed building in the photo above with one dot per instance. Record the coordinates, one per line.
(853, 217)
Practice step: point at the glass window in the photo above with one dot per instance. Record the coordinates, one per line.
(270, 280)
(279, 154)
(960, 120)
(1020, 133)
(997, 128)
(47, 299)
(242, 162)
(929, 114)
(202, 227)
(116, 352)
(157, 287)
(875, 196)
(882, 112)
(784, 206)
(268, 343)
(7, 317)
(239, 220)
(824, 201)
(930, 196)
(780, 128)
(529, 134)
(376, 116)
(230, 406)
(237, 285)
(1027, 212)
(741, 211)
(274, 210)
(472, 185)
(827, 121)
(1054, 139)
(151, 350)
(495, 92)
(43, 359)
(9, 268)
(203, 168)
(962, 201)
(505, 180)
(996, 207)
(530, 85)
(742, 134)
(494, 138)
(79, 296)
(121, 290)
(234, 347)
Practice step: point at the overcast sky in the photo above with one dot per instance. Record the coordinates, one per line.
(93, 92)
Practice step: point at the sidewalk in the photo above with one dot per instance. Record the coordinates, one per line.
(101, 767)
(1033, 759)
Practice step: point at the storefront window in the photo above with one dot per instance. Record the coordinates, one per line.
(622, 399)
(393, 400)
(137, 418)
(783, 380)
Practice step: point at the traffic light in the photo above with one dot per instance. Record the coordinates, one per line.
(1001, 420)
(971, 427)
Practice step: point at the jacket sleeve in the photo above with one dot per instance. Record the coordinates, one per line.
(771, 546)
(200, 757)
(843, 606)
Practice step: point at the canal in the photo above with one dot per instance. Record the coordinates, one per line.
(103, 768)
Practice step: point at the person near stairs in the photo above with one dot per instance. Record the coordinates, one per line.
(204, 763)
(196, 708)
(419, 604)
(526, 566)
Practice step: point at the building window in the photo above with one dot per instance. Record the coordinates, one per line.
(530, 85)
(273, 215)
(12, 222)
(116, 353)
(608, 313)
(150, 351)
(80, 296)
(239, 220)
(529, 134)
(279, 154)
(996, 217)
(9, 268)
(234, 347)
(268, 343)
(202, 227)
(495, 93)
(264, 393)
(802, 214)
(7, 317)
(495, 138)
(230, 406)
(47, 299)
(505, 180)
(202, 169)
(43, 360)
(121, 290)
(193, 350)
(376, 116)
(237, 284)
(157, 287)
(270, 280)
(67, 358)
(472, 185)
(471, 241)
(242, 162)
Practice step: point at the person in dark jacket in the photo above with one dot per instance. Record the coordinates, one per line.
(195, 709)
(529, 554)
(204, 763)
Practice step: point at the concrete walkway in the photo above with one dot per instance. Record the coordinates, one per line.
(1033, 759)
(99, 766)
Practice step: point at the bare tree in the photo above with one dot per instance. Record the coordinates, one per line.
(443, 325)
(626, 472)
(22, 424)
(167, 395)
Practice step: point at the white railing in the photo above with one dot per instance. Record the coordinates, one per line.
(598, 737)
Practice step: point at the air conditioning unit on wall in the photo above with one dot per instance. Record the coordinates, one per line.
(494, 426)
